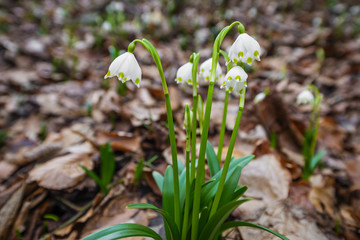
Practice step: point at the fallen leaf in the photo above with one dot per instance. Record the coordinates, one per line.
(6, 170)
(61, 172)
(287, 219)
(9, 211)
(266, 179)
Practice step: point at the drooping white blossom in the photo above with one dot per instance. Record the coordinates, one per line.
(235, 80)
(125, 67)
(259, 97)
(106, 26)
(245, 49)
(205, 69)
(184, 74)
(305, 97)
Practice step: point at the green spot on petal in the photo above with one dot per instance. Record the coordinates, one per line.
(238, 78)
(137, 81)
(245, 83)
(235, 60)
(179, 79)
(241, 91)
(207, 78)
(241, 54)
(249, 60)
(229, 78)
(231, 89)
(202, 70)
(121, 75)
(256, 53)
(108, 74)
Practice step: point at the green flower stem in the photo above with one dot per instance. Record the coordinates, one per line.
(170, 120)
(228, 156)
(223, 123)
(223, 126)
(188, 181)
(200, 176)
(196, 58)
(316, 121)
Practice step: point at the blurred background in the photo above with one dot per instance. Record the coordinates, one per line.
(56, 110)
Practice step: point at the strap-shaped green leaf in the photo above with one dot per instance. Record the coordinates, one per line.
(173, 230)
(230, 186)
(168, 196)
(122, 231)
(107, 166)
(233, 224)
(209, 190)
(159, 179)
(95, 178)
(316, 159)
(212, 159)
(212, 228)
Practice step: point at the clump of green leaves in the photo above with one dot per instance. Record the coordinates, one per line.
(107, 168)
(194, 208)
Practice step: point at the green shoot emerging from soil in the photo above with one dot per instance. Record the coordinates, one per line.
(311, 160)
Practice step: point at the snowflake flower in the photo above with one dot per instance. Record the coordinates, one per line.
(305, 97)
(205, 69)
(184, 74)
(259, 97)
(244, 49)
(235, 80)
(125, 67)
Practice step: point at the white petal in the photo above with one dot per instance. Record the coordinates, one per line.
(184, 74)
(205, 70)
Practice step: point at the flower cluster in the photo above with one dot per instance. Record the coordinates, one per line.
(245, 49)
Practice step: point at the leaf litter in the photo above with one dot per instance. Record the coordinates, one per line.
(56, 112)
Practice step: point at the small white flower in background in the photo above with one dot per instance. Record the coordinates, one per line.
(244, 49)
(235, 80)
(184, 74)
(205, 69)
(59, 15)
(125, 67)
(259, 97)
(106, 26)
(305, 97)
(115, 6)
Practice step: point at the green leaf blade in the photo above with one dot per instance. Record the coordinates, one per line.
(122, 231)
(233, 224)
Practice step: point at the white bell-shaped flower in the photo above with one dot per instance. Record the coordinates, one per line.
(125, 67)
(305, 97)
(259, 97)
(244, 49)
(205, 69)
(184, 74)
(235, 80)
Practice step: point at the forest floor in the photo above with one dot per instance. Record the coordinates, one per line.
(56, 110)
